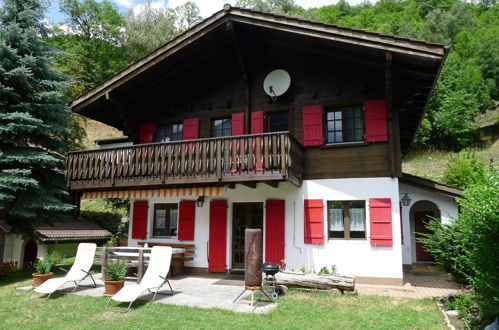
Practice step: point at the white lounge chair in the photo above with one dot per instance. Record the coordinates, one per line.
(78, 272)
(154, 279)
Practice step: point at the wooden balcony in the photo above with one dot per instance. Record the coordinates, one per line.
(247, 159)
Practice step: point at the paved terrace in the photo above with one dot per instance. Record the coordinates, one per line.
(219, 291)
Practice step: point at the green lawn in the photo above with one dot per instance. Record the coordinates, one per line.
(298, 310)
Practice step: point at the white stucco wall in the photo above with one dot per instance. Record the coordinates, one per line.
(14, 249)
(352, 257)
(448, 210)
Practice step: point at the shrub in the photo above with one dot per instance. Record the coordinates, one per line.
(43, 266)
(468, 247)
(116, 270)
(324, 271)
(464, 169)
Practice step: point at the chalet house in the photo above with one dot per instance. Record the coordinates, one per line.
(315, 163)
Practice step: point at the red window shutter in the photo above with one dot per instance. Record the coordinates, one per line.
(380, 213)
(186, 216)
(257, 122)
(238, 124)
(314, 221)
(146, 133)
(274, 231)
(312, 126)
(218, 237)
(139, 220)
(191, 129)
(375, 116)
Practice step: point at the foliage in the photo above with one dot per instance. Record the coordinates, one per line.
(463, 303)
(35, 122)
(464, 169)
(90, 43)
(147, 29)
(468, 82)
(43, 266)
(106, 213)
(466, 246)
(324, 271)
(116, 270)
(187, 15)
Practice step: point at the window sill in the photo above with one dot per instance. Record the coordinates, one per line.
(346, 240)
(165, 237)
(344, 144)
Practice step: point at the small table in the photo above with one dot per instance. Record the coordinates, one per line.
(130, 252)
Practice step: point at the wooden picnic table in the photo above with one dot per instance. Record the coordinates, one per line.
(136, 255)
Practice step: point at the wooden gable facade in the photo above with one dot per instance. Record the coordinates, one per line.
(176, 104)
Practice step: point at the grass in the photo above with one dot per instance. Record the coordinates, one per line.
(298, 310)
(432, 164)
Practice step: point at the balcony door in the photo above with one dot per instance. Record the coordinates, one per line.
(245, 215)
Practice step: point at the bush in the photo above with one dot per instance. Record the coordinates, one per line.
(43, 266)
(116, 270)
(468, 247)
(107, 220)
(479, 224)
(464, 169)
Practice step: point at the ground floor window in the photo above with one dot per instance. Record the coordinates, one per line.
(346, 219)
(165, 220)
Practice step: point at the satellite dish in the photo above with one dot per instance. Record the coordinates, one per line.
(276, 83)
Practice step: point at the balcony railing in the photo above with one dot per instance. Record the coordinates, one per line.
(236, 159)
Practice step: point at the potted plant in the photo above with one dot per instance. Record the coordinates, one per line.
(43, 267)
(113, 242)
(115, 277)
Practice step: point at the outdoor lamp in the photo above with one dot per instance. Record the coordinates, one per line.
(406, 200)
(200, 201)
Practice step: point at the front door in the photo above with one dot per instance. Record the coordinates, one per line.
(245, 215)
(420, 222)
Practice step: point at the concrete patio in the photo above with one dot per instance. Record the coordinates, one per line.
(220, 290)
(192, 291)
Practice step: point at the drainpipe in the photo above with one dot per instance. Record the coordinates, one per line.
(294, 227)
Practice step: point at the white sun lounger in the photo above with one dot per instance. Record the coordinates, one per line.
(154, 279)
(78, 272)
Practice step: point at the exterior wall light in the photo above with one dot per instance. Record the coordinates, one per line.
(406, 200)
(200, 201)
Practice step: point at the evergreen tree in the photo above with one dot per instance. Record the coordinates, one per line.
(35, 122)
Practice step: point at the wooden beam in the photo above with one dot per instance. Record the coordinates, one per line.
(251, 185)
(273, 184)
(390, 113)
(242, 63)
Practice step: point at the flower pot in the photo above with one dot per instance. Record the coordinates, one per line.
(111, 287)
(112, 245)
(123, 242)
(38, 278)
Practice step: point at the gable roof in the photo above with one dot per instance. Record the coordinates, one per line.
(427, 184)
(431, 54)
(76, 229)
(333, 32)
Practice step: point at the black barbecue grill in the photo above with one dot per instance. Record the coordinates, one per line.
(270, 269)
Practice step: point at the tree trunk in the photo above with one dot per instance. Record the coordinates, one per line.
(313, 281)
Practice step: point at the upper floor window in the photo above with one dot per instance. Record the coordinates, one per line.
(345, 125)
(165, 220)
(168, 133)
(346, 219)
(222, 127)
(278, 122)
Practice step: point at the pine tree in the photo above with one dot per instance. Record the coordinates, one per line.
(35, 122)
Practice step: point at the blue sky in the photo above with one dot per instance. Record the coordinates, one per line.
(207, 7)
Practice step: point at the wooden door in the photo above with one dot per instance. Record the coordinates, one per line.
(245, 215)
(274, 231)
(30, 253)
(420, 221)
(218, 237)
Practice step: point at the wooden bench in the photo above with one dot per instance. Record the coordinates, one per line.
(177, 259)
